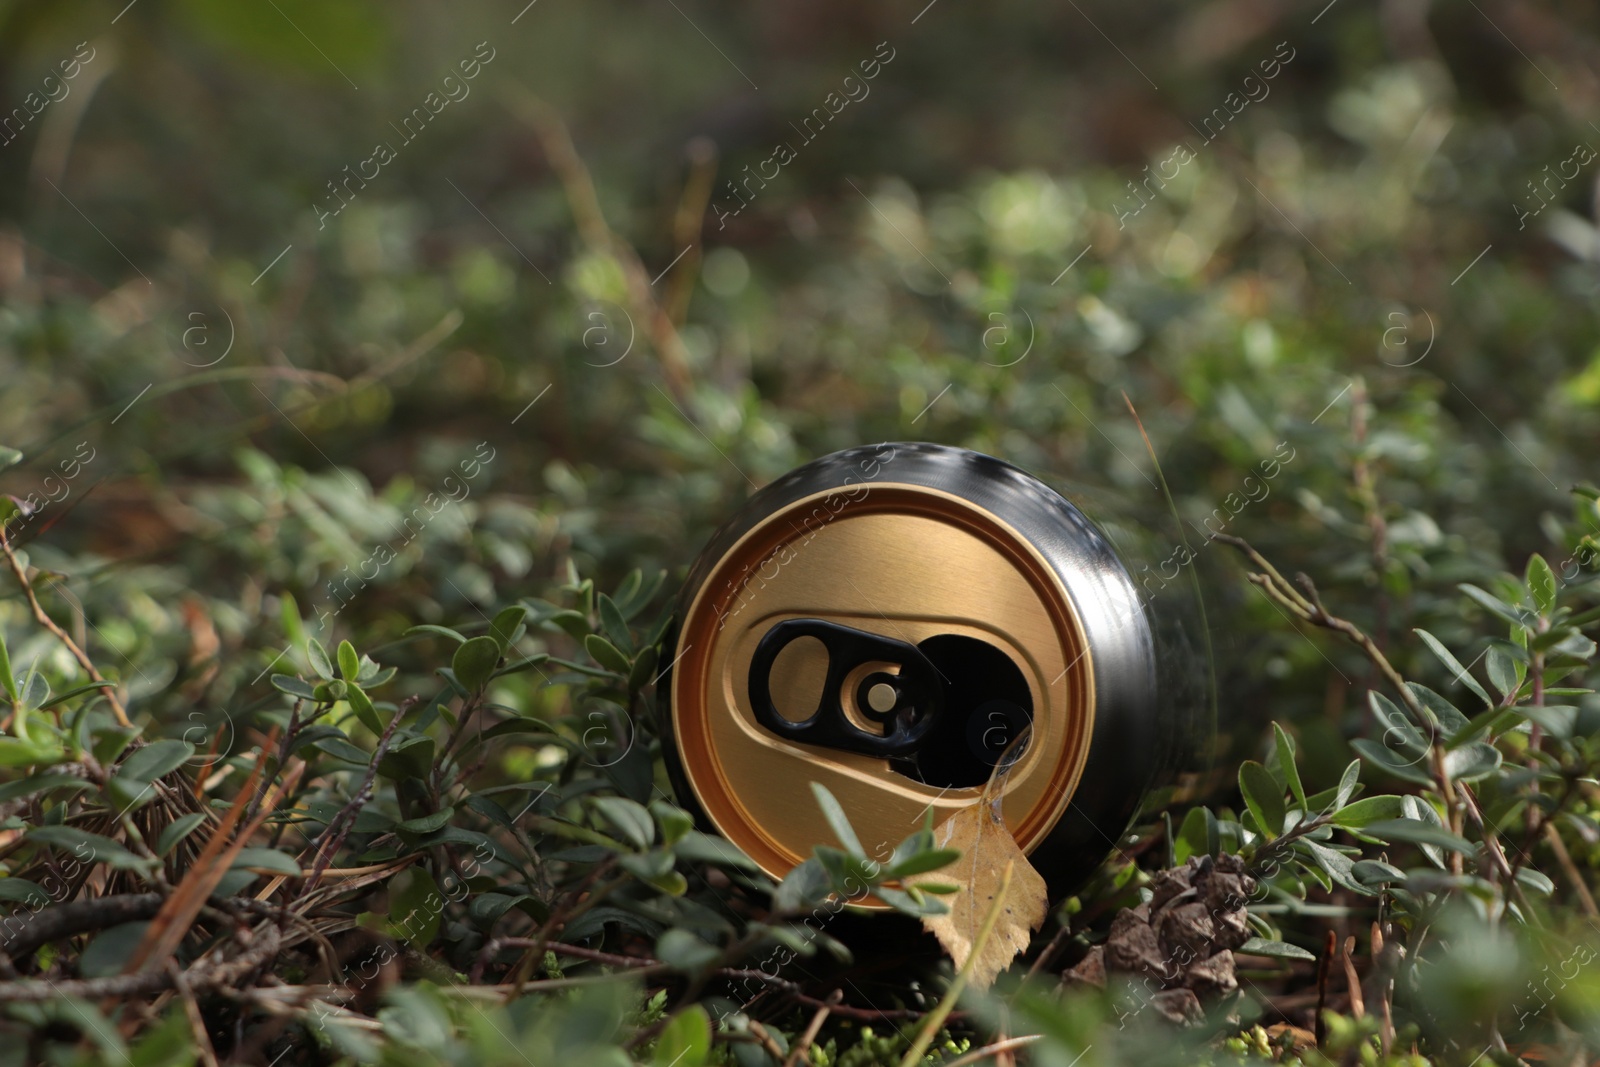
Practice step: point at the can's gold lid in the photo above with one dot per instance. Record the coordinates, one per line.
(906, 563)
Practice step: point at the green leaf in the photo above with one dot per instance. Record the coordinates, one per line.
(35, 689)
(111, 950)
(632, 818)
(41, 783)
(615, 627)
(1418, 832)
(1490, 721)
(922, 862)
(349, 662)
(674, 821)
(1395, 764)
(1336, 865)
(1458, 673)
(1376, 873)
(438, 631)
(23, 892)
(1348, 783)
(533, 662)
(295, 687)
(1516, 616)
(1198, 835)
(643, 671)
(318, 656)
(1541, 582)
(505, 625)
(1504, 671)
(802, 888)
(269, 860)
(703, 848)
(10, 457)
(1538, 881)
(1263, 797)
(1278, 950)
(361, 704)
(7, 679)
(655, 868)
(1471, 762)
(686, 1040)
(90, 848)
(15, 752)
(1369, 810)
(1450, 717)
(77, 690)
(427, 824)
(176, 831)
(1558, 720)
(1291, 774)
(341, 748)
(415, 908)
(682, 951)
(837, 819)
(409, 756)
(475, 661)
(605, 654)
(154, 760)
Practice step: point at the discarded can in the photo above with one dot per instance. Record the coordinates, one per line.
(886, 620)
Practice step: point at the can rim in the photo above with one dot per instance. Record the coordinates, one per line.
(690, 678)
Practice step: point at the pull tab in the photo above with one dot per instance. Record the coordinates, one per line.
(907, 704)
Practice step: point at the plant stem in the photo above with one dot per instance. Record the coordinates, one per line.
(936, 1018)
(117, 708)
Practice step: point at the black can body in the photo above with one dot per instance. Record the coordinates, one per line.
(859, 553)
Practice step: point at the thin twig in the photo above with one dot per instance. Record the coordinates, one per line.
(996, 1049)
(191, 1009)
(337, 830)
(930, 1025)
(767, 1041)
(26, 933)
(1050, 950)
(48, 623)
(801, 1047)
(598, 235)
(1570, 869)
(1309, 607)
(1358, 1007)
(687, 223)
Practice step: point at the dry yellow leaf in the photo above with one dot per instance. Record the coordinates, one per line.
(987, 848)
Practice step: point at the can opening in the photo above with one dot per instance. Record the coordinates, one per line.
(987, 706)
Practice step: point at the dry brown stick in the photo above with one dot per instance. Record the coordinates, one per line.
(998, 1048)
(1330, 945)
(598, 235)
(202, 978)
(1384, 956)
(1366, 487)
(801, 1047)
(1051, 949)
(73, 918)
(766, 1039)
(1358, 1006)
(1570, 869)
(191, 1009)
(337, 830)
(687, 223)
(117, 708)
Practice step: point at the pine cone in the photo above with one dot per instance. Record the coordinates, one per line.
(1181, 942)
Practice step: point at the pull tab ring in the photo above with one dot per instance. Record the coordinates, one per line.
(918, 697)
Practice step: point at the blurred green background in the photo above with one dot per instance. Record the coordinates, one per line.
(1344, 230)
